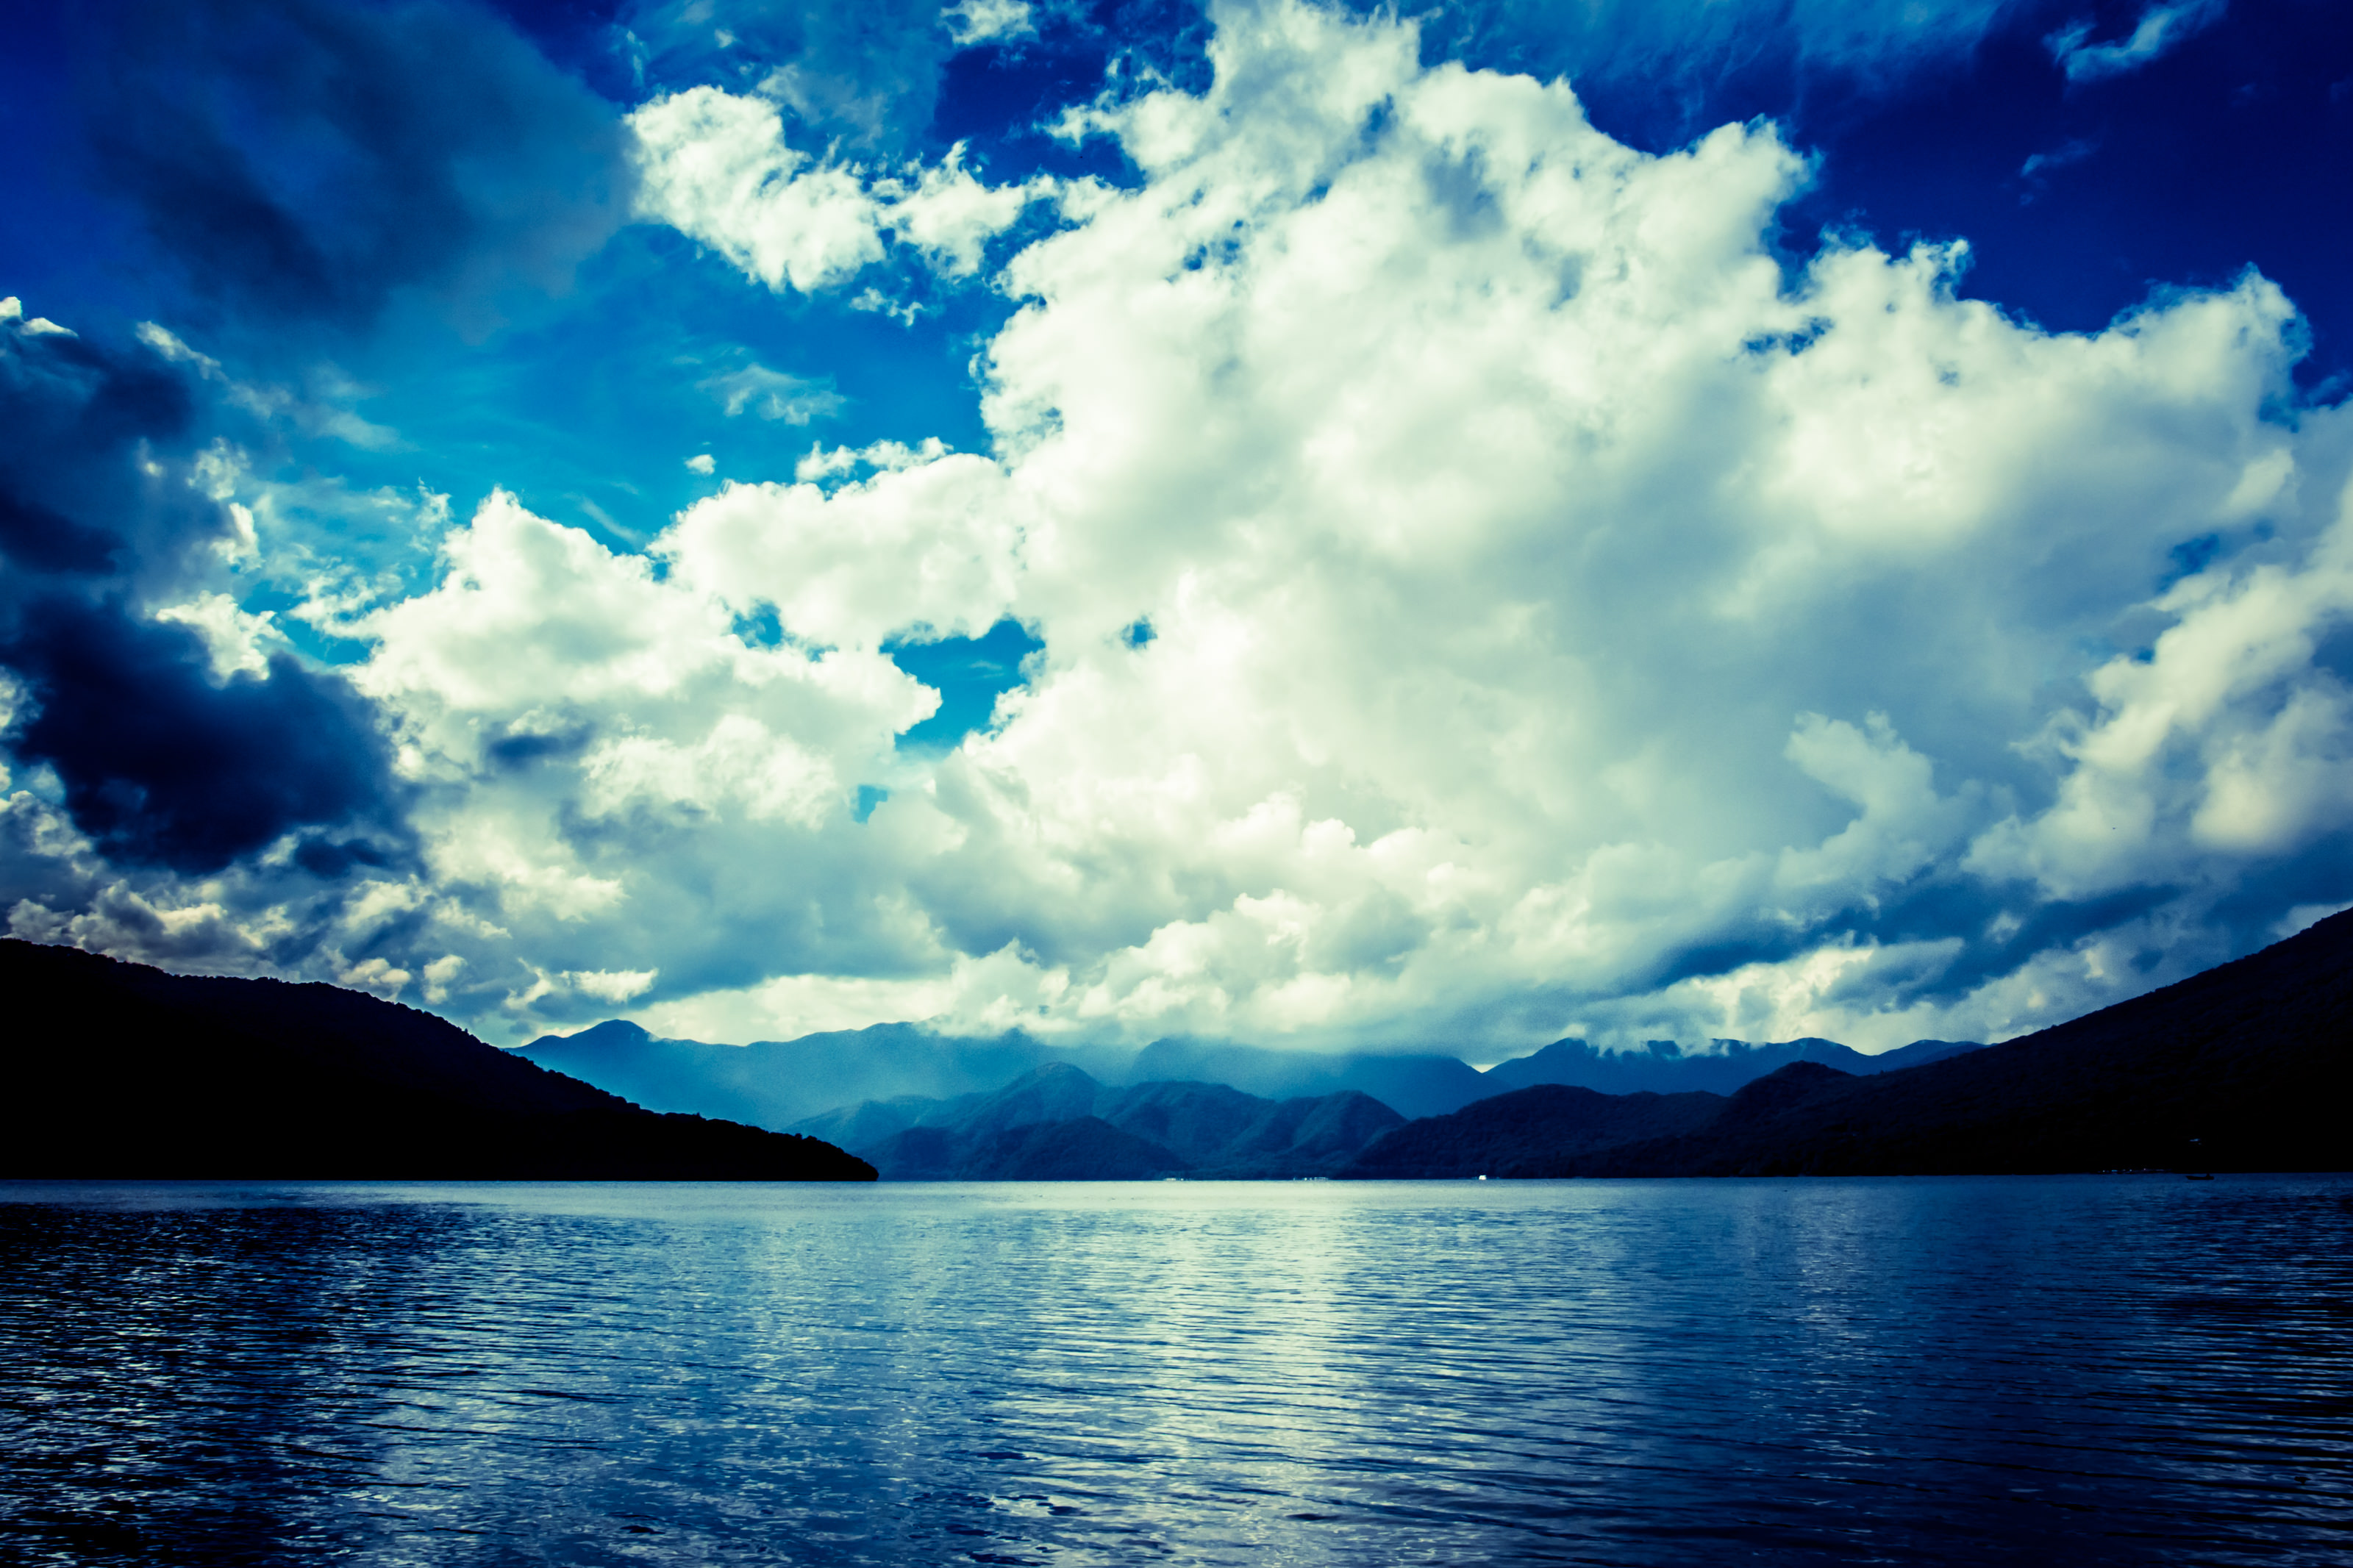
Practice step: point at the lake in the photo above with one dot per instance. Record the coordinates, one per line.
(2129, 1369)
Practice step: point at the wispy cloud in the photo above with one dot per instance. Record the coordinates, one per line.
(2162, 28)
(2034, 174)
(772, 394)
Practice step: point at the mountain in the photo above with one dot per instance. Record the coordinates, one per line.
(128, 1071)
(1060, 1123)
(776, 1083)
(685, 1076)
(1919, 1053)
(871, 1120)
(1665, 1068)
(1419, 1085)
(825, 1079)
(1530, 1129)
(856, 1087)
(1083, 1149)
(2247, 1066)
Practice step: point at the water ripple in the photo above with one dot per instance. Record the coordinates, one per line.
(2093, 1371)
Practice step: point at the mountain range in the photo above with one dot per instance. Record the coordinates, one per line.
(1057, 1122)
(120, 1070)
(774, 1083)
(844, 1085)
(124, 1070)
(2243, 1067)
(1665, 1068)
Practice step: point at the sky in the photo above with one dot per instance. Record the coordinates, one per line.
(1295, 523)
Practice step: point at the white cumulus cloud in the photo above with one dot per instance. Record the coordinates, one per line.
(1560, 618)
(716, 167)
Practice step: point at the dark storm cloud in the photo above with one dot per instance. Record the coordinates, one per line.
(161, 766)
(301, 162)
(161, 763)
(77, 424)
(2001, 929)
(1995, 948)
(306, 160)
(34, 537)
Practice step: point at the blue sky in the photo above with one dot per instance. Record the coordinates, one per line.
(1273, 520)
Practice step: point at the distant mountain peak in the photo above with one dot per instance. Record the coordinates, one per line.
(614, 1029)
(1053, 1072)
(612, 1033)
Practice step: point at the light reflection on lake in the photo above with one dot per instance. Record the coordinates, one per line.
(2078, 1370)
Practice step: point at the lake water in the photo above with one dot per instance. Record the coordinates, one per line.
(2011, 1370)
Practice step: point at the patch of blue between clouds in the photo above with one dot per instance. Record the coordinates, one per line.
(760, 629)
(969, 673)
(562, 412)
(2189, 558)
(1001, 97)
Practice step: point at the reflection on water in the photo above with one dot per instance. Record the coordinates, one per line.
(2125, 1370)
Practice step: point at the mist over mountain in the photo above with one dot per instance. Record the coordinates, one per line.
(1424, 1084)
(133, 1072)
(774, 1083)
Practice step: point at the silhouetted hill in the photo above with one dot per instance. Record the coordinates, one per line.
(1665, 1068)
(2252, 1059)
(1059, 1123)
(1512, 1134)
(140, 1073)
(2245, 1068)
(1919, 1053)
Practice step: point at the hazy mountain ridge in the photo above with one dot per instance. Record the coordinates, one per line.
(1417, 1084)
(174, 1076)
(856, 1087)
(871, 1120)
(776, 1083)
(1059, 1123)
(1513, 1133)
(1662, 1067)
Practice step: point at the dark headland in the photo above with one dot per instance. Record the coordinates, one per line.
(119, 1070)
(2245, 1068)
